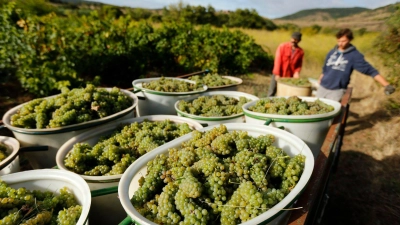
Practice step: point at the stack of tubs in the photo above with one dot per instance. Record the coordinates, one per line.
(160, 106)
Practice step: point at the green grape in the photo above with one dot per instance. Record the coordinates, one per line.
(212, 80)
(300, 82)
(71, 107)
(196, 184)
(290, 106)
(172, 85)
(4, 152)
(213, 106)
(22, 206)
(113, 153)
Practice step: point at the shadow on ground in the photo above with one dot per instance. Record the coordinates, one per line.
(367, 121)
(364, 186)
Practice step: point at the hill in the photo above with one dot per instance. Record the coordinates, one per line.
(354, 18)
(325, 14)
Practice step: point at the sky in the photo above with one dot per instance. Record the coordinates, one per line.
(267, 8)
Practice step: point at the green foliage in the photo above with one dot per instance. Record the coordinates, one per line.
(49, 52)
(314, 29)
(289, 27)
(33, 7)
(249, 19)
(389, 46)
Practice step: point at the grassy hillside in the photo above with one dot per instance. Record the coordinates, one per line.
(329, 13)
(371, 20)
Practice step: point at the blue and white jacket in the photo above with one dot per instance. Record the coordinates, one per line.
(338, 67)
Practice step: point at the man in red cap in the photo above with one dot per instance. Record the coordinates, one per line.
(288, 61)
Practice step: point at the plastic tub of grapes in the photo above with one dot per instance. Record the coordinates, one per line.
(235, 173)
(9, 159)
(101, 156)
(53, 120)
(293, 87)
(48, 195)
(216, 82)
(308, 118)
(215, 107)
(161, 93)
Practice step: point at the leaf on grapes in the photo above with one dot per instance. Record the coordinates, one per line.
(95, 107)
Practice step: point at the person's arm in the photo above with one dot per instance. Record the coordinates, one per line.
(278, 62)
(364, 67)
(298, 65)
(320, 78)
(380, 79)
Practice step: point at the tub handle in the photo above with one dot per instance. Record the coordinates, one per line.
(139, 97)
(204, 124)
(104, 191)
(34, 149)
(270, 120)
(126, 221)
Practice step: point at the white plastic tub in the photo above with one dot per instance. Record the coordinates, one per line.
(229, 87)
(238, 118)
(107, 203)
(310, 128)
(157, 102)
(53, 180)
(11, 163)
(291, 144)
(55, 137)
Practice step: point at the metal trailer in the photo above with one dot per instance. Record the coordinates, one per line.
(314, 198)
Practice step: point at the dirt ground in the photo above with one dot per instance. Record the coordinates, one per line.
(366, 186)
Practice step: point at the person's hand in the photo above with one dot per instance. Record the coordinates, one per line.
(389, 89)
(296, 75)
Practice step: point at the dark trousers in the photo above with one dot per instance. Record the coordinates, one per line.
(272, 87)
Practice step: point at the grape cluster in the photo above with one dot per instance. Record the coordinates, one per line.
(71, 107)
(4, 152)
(300, 82)
(172, 85)
(212, 80)
(290, 106)
(211, 181)
(29, 207)
(114, 153)
(211, 106)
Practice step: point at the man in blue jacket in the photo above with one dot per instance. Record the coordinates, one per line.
(340, 63)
